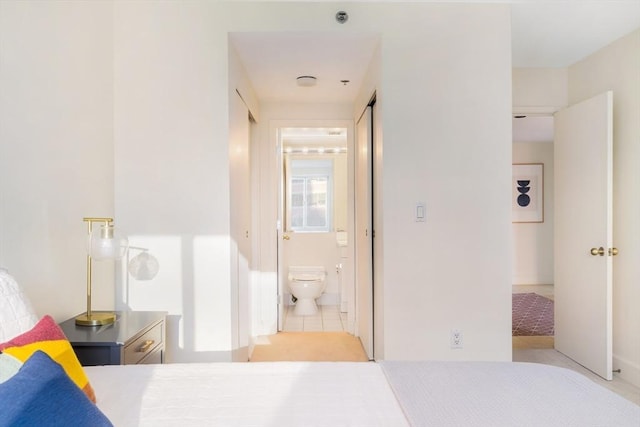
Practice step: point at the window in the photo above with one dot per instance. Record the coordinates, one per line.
(310, 196)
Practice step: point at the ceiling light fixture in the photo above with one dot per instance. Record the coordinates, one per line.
(306, 81)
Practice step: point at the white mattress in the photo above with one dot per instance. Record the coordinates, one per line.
(279, 394)
(274, 394)
(496, 394)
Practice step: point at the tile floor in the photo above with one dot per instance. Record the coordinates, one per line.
(327, 319)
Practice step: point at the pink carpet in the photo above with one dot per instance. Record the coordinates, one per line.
(531, 315)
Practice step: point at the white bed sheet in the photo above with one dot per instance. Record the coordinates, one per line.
(274, 394)
(496, 394)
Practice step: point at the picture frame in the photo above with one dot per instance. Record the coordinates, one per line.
(527, 189)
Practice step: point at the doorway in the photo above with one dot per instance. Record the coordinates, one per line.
(533, 260)
(311, 153)
(583, 220)
(343, 66)
(315, 206)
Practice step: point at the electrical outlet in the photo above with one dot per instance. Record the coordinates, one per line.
(456, 338)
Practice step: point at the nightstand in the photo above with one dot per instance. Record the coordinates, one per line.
(135, 337)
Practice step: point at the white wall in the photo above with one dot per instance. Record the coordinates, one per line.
(172, 167)
(533, 242)
(56, 151)
(539, 89)
(169, 116)
(617, 67)
(447, 131)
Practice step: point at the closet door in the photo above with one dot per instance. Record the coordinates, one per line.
(364, 232)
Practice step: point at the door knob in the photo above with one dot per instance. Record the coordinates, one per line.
(613, 251)
(285, 237)
(597, 251)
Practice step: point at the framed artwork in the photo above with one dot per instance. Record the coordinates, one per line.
(527, 189)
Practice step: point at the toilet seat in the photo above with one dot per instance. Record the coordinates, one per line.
(306, 278)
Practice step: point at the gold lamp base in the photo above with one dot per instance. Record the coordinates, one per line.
(97, 318)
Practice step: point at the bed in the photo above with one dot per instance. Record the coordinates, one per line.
(356, 394)
(43, 384)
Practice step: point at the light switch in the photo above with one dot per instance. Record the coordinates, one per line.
(420, 212)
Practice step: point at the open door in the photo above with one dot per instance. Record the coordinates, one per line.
(583, 151)
(363, 234)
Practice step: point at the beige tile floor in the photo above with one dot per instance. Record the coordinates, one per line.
(327, 319)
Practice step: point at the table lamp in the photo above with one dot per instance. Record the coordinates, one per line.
(107, 244)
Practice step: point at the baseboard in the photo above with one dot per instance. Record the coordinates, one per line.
(544, 290)
(529, 281)
(629, 371)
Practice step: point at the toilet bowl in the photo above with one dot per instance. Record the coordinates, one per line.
(306, 284)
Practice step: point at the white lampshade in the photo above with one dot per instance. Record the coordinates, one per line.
(143, 266)
(108, 243)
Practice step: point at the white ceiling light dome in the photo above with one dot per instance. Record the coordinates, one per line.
(306, 81)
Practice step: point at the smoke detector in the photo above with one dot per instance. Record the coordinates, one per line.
(306, 81)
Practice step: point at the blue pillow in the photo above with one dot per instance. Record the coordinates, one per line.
(41, 394)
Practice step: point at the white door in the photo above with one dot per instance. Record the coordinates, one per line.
(583, 184)
(281, 235)
(363, 235)
(240, 222)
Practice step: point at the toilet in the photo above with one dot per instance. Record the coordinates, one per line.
(306, 284)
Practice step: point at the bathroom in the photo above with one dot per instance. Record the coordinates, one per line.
(315, 220)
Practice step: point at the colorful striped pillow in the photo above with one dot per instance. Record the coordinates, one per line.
(47, 336)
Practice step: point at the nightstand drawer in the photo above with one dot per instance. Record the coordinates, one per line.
(144, 345)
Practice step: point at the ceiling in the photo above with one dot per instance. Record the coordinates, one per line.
(273, 61)
(532, 129)
(545, 33)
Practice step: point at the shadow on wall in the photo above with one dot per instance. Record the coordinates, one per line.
(193, 285)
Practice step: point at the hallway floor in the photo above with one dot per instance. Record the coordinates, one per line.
(555, 358)
(309, 346)
(540, 349)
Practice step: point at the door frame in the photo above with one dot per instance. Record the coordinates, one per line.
(274, 140)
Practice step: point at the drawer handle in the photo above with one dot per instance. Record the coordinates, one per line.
(145, 346)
